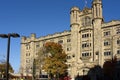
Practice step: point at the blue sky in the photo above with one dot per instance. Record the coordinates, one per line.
(42, 17)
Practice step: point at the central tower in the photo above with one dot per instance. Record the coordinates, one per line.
(86, 38)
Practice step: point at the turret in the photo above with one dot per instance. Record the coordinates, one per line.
(74, 24)
(74, 15)
(33, 36)
(97, 9)
(97, 32)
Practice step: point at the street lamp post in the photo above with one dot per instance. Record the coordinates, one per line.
(14, 35)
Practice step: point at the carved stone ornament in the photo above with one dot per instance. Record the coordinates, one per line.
(85, 10)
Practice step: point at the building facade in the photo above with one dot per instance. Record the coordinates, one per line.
(89, 42)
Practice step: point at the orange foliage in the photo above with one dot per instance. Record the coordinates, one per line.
(56, 62)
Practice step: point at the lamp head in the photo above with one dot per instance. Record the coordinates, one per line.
(3, 35)
(14, 35)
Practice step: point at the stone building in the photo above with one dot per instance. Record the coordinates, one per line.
(89, 42)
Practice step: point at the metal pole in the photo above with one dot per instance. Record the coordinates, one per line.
(8, 52)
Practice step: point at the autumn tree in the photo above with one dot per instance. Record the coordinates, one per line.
(3, 68)
(54, 59)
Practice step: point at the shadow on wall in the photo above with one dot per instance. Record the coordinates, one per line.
(110, 71)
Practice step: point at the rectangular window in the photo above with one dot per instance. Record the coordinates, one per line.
(27, 46)
(86, 54)
(27, 54)
(68, 40)
(107, 33)
(37, 46)
(60, 41)
(106, 43)
(68, 57)
(86, 35)
(107, 53)
(118, 41)
(68, 49)
(84, 45)
(118, 51)
(27, 61)
(118, 31)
